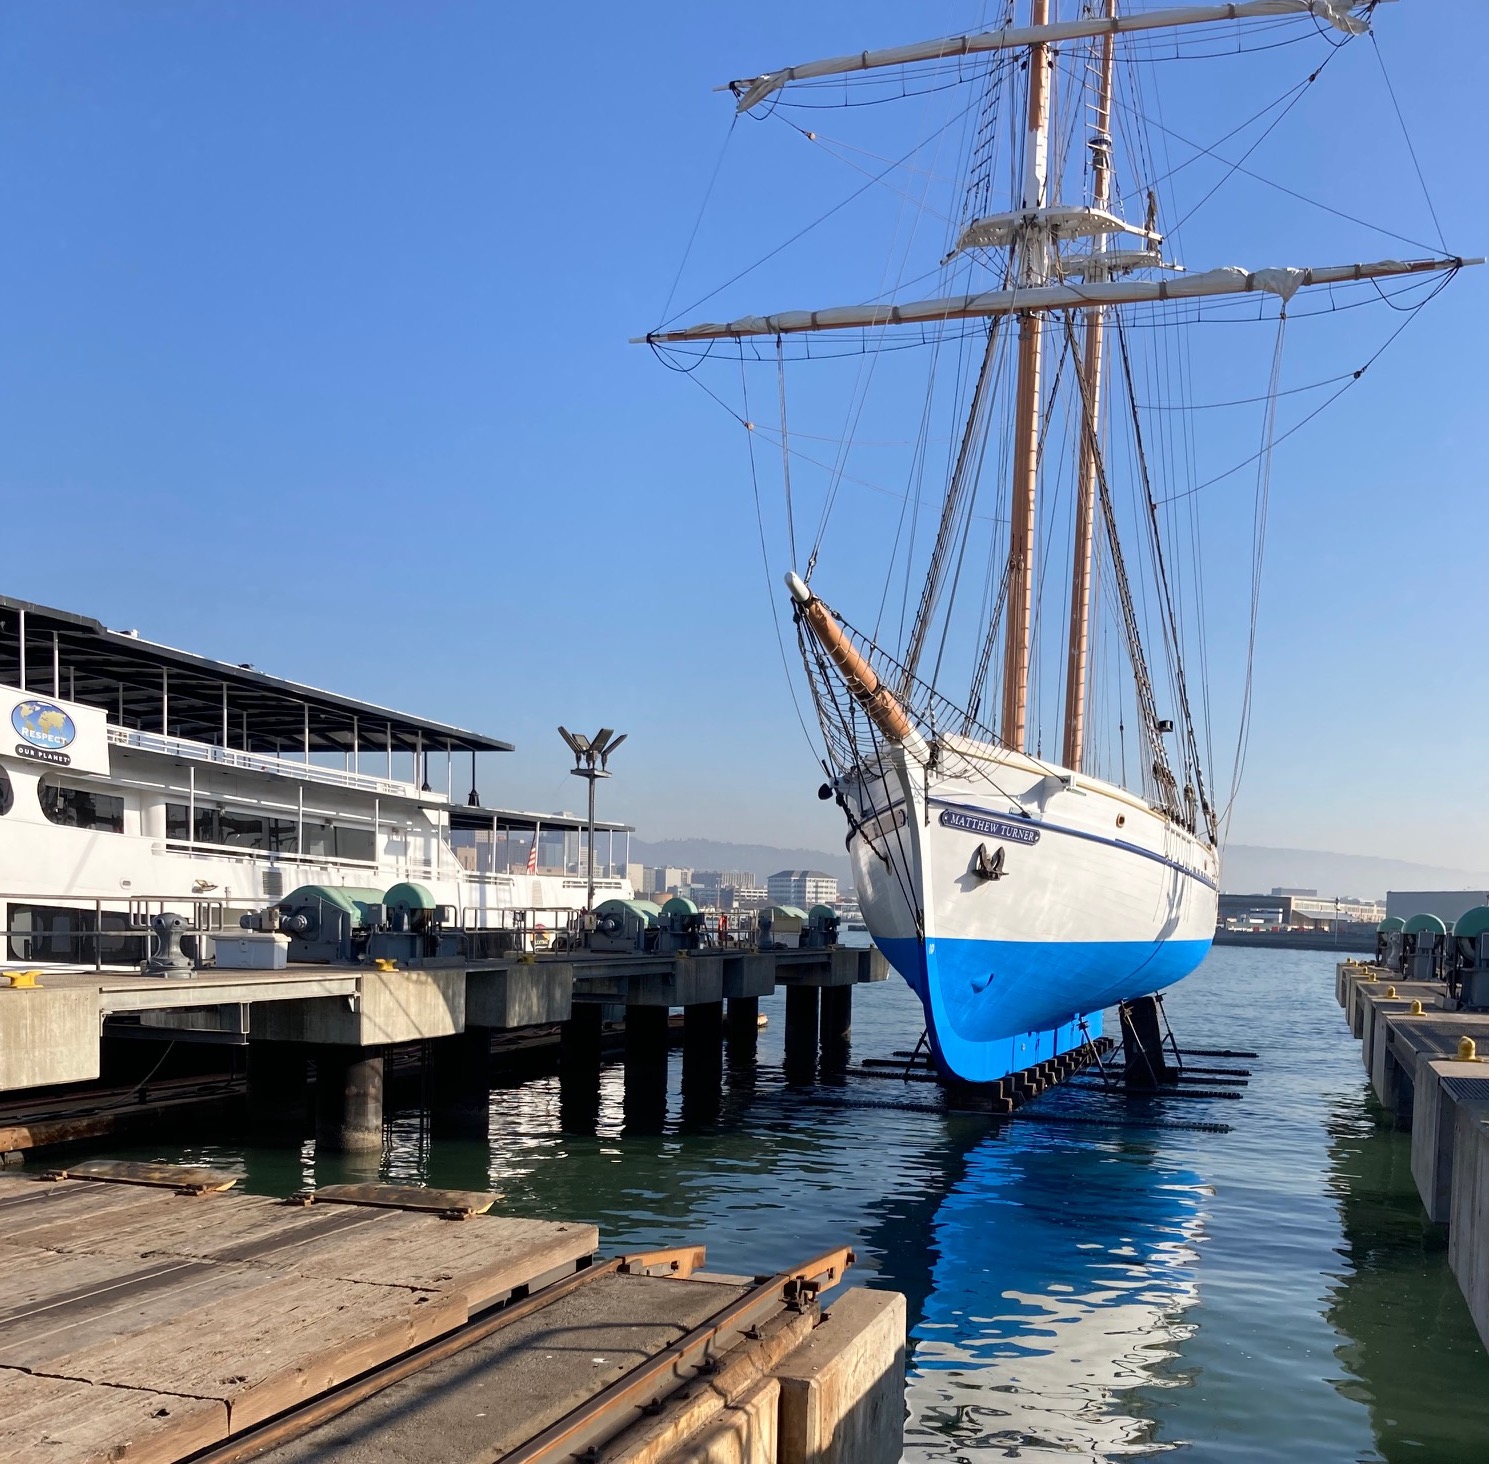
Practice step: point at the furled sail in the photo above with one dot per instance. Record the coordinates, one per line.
(1283, 282)
(1339, 13)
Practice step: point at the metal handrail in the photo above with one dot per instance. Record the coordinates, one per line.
(257, 762)
(204, 915)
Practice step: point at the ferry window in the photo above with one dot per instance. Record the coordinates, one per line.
(331, 841)
(78, 808)
(320, 840)
(356, 844)
(7, 793)
(230, 828)
(241, 830)
(54, 933)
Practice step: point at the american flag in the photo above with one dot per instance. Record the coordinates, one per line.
(532, 856)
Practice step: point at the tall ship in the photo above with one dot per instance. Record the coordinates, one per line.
(1019, 725)
(137, 778)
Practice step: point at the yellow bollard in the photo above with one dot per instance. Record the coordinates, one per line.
(1468, 1050)
(1416, 1008)
(1390, 993)
(385, 963)
(22, 980)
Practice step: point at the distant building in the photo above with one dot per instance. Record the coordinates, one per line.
(802, 888)
(1288, 911)
(706, 884)
(1447, 905)
(1307, 894)
(663, 879)
(743, 897)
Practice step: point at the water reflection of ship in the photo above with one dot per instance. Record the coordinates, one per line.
(1411, 1352)
(1047, 1283)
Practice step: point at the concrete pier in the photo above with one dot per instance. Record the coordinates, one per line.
(1413, 1062)
(348, 1099)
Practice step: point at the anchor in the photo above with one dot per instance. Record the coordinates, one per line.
(985, 868)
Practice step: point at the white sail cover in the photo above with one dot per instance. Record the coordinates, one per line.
(1338, 13)
(1283, 282)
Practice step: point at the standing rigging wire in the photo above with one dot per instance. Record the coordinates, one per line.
(713, 178)
(786, 461)
(1191, 745)
(1266, 133)
(770, 595)
(1406, 135)
(1259, 544)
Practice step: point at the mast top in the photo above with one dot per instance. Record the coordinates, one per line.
(1350, 16)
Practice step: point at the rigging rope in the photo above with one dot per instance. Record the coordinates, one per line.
(1259, 543)
(1176, 645)
(786, 461)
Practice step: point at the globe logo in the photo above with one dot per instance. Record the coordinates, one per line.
(43, 725)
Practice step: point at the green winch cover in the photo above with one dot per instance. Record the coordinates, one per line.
(1425, 925)
(643, 910)
(677, 905)
(1472, 923)
(350, 899)
(1392, 922)
(408, 896)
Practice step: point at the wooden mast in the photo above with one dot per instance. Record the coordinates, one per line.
(1033, 267)
(1078, 656)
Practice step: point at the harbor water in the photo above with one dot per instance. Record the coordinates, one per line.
(1096, 1278)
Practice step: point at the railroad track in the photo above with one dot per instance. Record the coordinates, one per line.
(637, 1416)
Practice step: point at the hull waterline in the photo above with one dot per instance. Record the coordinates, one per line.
(1098, 899)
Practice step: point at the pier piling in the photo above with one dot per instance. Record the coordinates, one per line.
(579, 1038)
(802, 1019)
(278, 1090)
(348, 1099)
(743, 1030)
(647, 1033)
(836, 1026)
(460, 1083)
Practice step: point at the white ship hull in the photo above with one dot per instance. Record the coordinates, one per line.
(1100, 899)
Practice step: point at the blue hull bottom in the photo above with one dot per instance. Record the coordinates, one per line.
(994, 1007)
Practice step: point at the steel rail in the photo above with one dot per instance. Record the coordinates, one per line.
(597, 1421)
(288, 1427)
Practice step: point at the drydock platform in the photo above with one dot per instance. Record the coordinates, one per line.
(1427, 1065)
(152, 1316)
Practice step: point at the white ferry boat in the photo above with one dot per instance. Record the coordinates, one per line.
(137, 778)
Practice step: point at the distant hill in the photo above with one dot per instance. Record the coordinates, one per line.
(1245, 868)
(1253, 869)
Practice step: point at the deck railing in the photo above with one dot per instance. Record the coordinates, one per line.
(258, 762)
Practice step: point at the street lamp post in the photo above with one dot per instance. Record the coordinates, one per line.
(591, 754)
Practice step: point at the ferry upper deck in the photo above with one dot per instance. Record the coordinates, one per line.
(134, 770)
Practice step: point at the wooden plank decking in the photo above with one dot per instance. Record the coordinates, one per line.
(138, 1324)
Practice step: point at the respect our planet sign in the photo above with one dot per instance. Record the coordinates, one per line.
(60, 734)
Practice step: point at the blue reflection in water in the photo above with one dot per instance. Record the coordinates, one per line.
(1062, 1269)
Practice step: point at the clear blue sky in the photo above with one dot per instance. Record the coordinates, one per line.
(314, 355)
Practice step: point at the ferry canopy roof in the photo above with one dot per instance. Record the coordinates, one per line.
(157, 688)
(512, 820)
